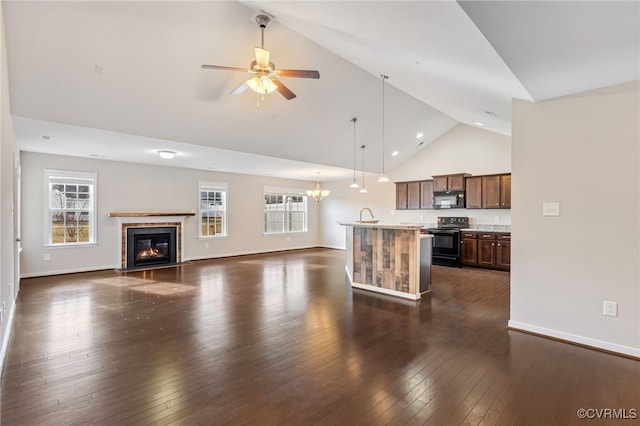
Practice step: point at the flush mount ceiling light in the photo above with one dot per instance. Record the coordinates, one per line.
(354, 184)
(384, 177)
(167, 155)
(318, 193)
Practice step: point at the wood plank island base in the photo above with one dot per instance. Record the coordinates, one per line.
(389, 259)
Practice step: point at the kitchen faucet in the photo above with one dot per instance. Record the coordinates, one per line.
(366, 208)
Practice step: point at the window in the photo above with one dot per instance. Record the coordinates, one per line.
(70, 207)
(284, 211)
(213, 209)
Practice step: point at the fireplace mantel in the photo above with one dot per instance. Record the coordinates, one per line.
(147, 214)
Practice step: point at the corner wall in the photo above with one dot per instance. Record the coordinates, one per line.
(583, 152)
(8, 288)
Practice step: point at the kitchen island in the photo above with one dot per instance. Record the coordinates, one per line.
(393, 259)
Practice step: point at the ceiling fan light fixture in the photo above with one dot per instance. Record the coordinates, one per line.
(261, 85)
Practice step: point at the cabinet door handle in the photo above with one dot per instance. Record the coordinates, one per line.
(498, 244)
(492, 244)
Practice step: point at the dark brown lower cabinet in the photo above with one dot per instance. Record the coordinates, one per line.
(486, 249)
(469, 249)
(503, 254)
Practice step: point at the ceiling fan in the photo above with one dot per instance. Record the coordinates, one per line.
(265, 75)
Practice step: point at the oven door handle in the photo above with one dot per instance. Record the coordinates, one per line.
(443, 231)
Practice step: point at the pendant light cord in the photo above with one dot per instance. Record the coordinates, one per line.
(354, 119)
(384, 77)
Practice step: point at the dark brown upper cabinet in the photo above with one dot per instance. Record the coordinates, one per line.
(496, 191)
(473, 196)
(426, 194)
(444, 183)
(401, 195)
(408, 195)
(413, 195)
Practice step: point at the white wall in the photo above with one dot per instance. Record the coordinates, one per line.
(7, 237)
(127, 187)
(582, 151)
(462, 149)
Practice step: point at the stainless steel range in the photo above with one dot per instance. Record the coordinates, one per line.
(446, 240)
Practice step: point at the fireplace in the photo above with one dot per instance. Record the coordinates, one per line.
(148, 229)
(151, 246)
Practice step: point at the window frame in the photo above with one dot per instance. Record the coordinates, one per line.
(213, 187)
(67, 177)
(285, 192)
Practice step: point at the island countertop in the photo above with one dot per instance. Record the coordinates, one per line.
(380, 225)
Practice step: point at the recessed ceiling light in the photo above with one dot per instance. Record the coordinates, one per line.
(477, 123)
(394, 153)
(419, 135)
(167, 155)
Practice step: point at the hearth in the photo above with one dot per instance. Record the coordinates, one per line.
(151, 246)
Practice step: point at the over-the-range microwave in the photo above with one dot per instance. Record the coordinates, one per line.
(448, 200)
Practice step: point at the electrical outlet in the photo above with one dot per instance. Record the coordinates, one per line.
(551, 209)
(47, 256)
(496, 219)
(609, 309)
(393, 212)
(206, 245)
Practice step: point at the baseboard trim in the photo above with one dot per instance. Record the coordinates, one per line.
(67, 271)
(586, 342)
(7, 335)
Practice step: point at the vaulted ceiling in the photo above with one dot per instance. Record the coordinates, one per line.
(120, 80)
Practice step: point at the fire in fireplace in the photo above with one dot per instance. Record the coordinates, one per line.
(151, 246)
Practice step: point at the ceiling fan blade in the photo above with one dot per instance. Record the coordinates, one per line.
(218, 67)
(240, 89)
(262, 57)
(283, 90)
(298, 73)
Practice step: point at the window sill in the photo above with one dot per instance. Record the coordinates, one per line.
(213, 237)
(62, 246)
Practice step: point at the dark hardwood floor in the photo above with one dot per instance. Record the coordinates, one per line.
(282, 339)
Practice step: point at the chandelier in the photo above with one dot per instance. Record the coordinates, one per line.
(318, 193)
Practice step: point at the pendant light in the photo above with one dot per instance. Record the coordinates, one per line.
(384, 177)
(363, 189)
(354, 184)
(318, 193)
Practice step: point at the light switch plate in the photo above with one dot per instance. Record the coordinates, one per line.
(551, 209)
(609, 309)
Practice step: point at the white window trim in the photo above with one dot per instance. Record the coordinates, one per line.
(215, 186)
(93, 231)
(278, 190)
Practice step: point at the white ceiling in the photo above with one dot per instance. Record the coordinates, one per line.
(120, 80)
